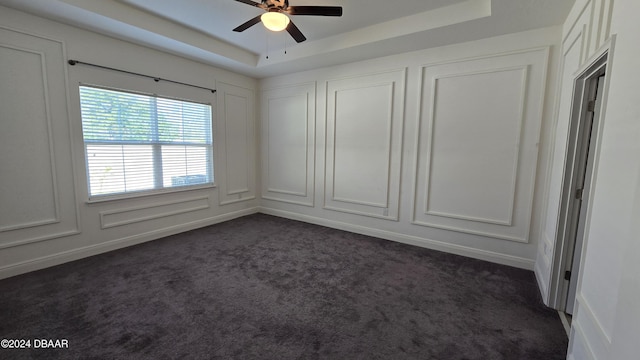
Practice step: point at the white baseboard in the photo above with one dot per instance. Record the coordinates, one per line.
(490, 256)
(79, 253)
(543, 281)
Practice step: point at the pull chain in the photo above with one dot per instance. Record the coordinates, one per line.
(267, 41)
(267, 45)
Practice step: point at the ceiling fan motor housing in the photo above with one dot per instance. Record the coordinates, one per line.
(277, 5)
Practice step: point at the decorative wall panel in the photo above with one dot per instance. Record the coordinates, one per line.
(234, 144)
(474, 148)
(133, 215)
(36, 188)
(364, 142)
(477, 155)
(26, 134)
(288, 144)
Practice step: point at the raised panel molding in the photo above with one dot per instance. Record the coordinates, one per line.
(132, 215)
(236, 121)
(582, 23)
(26, 146)
(365, 116)
(596, 23)
(288, 143)
(378, 107)
(37, 199)
(462, 127)
(479, 125)
(234, 139)
(595, 18)
(605, 22)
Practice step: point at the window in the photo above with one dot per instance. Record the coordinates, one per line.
(136, 142)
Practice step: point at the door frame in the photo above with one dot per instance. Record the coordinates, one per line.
(581, 181)
(563, 252)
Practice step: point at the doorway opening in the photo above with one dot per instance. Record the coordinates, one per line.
(583, 167)
(588, 99)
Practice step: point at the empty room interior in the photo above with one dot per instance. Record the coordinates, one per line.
(320, 179)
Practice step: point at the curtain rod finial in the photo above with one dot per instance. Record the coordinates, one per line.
(72, 62)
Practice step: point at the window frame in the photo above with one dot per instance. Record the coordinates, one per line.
(155, 145)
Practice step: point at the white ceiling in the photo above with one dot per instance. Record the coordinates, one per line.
(202, 29)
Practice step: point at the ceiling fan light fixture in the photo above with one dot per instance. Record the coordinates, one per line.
(275, 21)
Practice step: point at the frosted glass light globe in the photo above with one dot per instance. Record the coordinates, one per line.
(275, 21)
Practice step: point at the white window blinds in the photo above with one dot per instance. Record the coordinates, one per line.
(135, 142)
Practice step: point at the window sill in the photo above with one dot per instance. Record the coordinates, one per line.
(146, 193)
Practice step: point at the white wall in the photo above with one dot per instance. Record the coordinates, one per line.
(606, 323)
(45, 218)
(438, 148)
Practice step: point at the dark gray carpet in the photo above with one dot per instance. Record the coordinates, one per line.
(262, 287)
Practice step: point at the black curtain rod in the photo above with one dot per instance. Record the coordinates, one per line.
(155, 78)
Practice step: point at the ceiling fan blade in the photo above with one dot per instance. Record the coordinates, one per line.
(252, 3)
(295, 33)
(248, 24)
(314, 10)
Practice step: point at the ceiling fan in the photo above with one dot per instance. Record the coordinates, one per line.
(275, 18)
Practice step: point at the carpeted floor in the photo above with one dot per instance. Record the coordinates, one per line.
(262, 287)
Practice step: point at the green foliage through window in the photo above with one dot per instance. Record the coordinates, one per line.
(136, 142)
